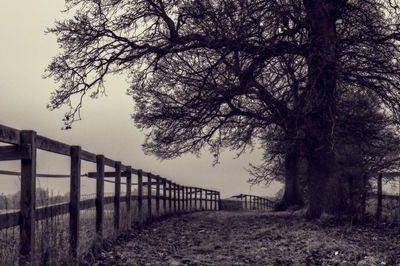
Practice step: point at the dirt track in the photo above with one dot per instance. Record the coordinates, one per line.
(252, 238)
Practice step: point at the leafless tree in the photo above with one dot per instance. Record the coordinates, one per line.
(215, 73)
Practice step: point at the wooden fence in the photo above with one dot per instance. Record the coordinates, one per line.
(254, 202)
(24, 148)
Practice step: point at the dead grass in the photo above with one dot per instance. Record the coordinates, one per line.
(253, 238)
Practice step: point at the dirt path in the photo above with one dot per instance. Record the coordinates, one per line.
(253, 238)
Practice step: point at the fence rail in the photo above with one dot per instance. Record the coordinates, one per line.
(254, 202)
(24, 147)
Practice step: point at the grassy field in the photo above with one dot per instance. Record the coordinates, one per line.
(52, 235)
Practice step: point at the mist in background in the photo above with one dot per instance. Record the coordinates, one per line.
(106, 128)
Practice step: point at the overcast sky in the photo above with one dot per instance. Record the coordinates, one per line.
(106, 127)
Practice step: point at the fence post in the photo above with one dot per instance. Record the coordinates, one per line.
(191, 198)
(128, 195)
(164, 183)
(117, 195)
(157, 195)
(99, 194)
(210, 192)
(175, 209)
(140, 196)
(74, 198)
(379, 207)
(28, 199)
(201, 198)
(215, 197)
(178, 188)
(149, 207)
(256, 201)
(195, 198)
(219, 200)
(206, 198)
(170, 196)
(182, 191)
(187, 198)
(183, 198)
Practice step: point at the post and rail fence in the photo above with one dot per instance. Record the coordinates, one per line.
(24, 145)
(247, 202)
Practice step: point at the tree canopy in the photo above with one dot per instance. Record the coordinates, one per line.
(223, 74)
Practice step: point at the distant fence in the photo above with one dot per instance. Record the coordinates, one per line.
(244, 201)
(171, 197)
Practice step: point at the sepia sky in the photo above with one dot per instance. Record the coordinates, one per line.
(107, 128)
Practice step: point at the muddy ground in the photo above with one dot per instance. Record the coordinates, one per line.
(252, 238)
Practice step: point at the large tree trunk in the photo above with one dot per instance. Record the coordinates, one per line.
(292, 195)
(321, 60)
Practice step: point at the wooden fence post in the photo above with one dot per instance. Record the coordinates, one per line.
(187, 198)
(28, 199)
(140, 196)
(210, 192)
(157, 196)
(191, 198)
(175, 209)
(216, 201)
(212, 200)
(74, 198)
(149, 207)
(99, 195)
(128, 195)
(164, 184)
(195, 198)
(117, 195)
(379, 207)
(182, 191)
(201, 198)
(184, 198)
(179, 197)
(219, 200)
(206, 198)
(170, 197)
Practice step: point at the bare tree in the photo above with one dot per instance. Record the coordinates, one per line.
(215, 73)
